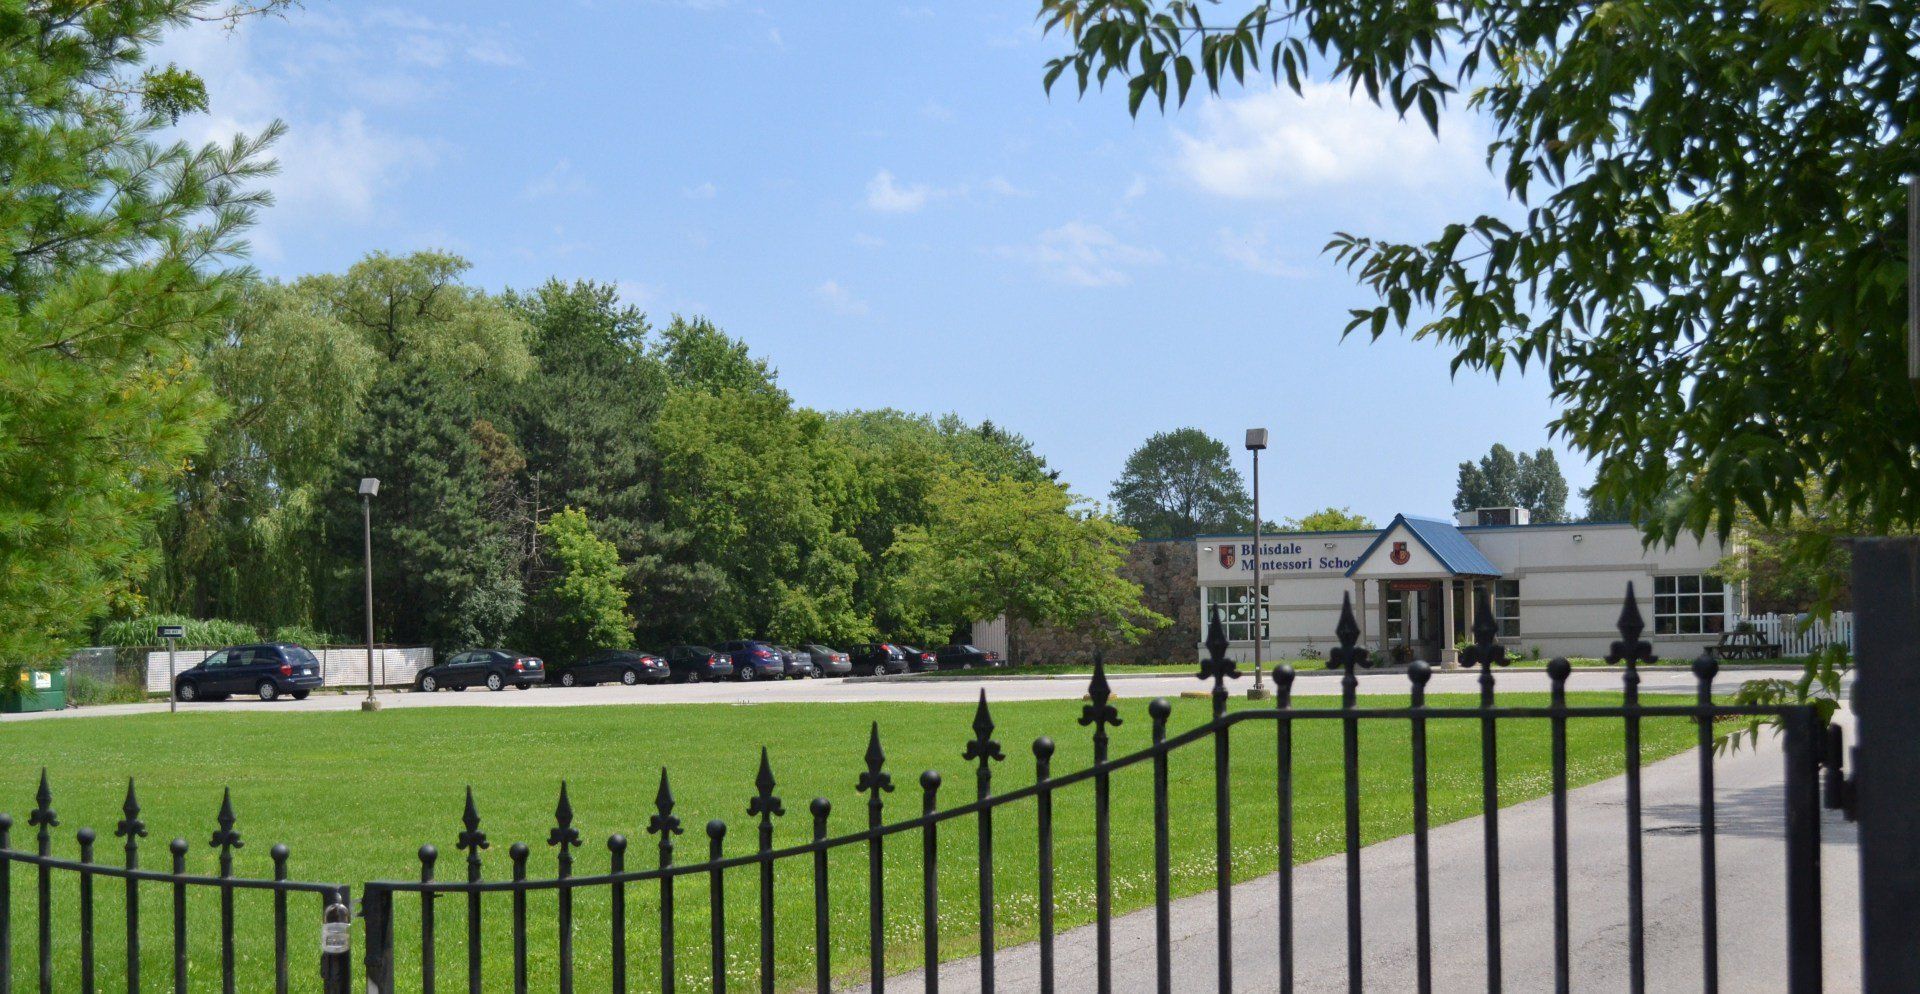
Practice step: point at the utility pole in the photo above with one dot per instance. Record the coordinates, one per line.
(369, 487)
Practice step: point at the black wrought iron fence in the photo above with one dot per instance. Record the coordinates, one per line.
(1804, 748)
(79, 969)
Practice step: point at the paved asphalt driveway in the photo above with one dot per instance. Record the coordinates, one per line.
(1750, 816)
(1313, 683)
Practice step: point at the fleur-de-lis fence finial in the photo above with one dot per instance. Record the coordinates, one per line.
(663, 823)
(1218, 666)
(1098, 711)
(1485, 651)
(130, 827)
(875, 779)
(563, 834)
(42, 816)
(1631, 649)
(765, 803)
(983, 749)
(1350, 654)
(225, 838)
(471, 838)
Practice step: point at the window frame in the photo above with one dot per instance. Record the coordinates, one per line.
(1236, 601)
(1689, 604)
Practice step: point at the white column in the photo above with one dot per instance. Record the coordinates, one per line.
(1360, 608)
(1449, 656)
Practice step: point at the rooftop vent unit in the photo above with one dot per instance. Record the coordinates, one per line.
(1484, 516)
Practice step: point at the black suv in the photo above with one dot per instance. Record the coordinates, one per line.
(494, 669)
(694, 663)
(266, 671)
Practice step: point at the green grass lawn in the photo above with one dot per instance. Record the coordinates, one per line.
(355, 795)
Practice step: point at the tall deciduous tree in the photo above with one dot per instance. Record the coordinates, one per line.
(1710, 269)
(1329, 519)
(1502, 479)
(1179, 484)
(119, 265)
(584, 606)
(1029, 551)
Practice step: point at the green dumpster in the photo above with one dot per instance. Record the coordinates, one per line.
(38, 690)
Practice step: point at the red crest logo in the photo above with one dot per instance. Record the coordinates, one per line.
(1226, 556)
(1399, 555)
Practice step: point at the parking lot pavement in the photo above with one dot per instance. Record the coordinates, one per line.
(836, 691)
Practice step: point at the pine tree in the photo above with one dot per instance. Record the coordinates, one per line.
(119, 265)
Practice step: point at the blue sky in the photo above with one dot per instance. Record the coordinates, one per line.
(881, 200)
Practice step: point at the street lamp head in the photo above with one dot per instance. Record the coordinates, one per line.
(369, 487)
(1256, 438)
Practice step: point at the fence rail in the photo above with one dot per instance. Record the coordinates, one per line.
(1806, 751)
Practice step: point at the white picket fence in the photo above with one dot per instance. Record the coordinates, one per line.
(1798, 638)
(338, 667)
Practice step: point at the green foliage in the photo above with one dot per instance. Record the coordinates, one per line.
(583, 607)
(201, 633)
(1329, 519)
(309, 636)
(1502, 479)
(120, 263)
(1179, 484)
(1818, 686)
(444, 574)
(1710, 272)
(1030, 551)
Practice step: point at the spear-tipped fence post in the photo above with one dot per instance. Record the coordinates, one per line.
(666, 826)
(1487, 653)
(1629, 652)
(132, 829)
(1220, 668)
(472, 841)
(768, 807)
(564, 836)
(1349, 656)
(984, 751)
(874, 783)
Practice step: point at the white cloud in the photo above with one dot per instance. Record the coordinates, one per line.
(1276, 145)
(1136, 189)
(840, 299)
(704, 191)
(888, 195)
(1083, 254)
(558, 181)
(1255, 251)
(1005, 188)
(773, 35)
(934, 110)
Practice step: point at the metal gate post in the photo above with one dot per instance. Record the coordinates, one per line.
(376, 907)
(1886, 709)
(1802, 748)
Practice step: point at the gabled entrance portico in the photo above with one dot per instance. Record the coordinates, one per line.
(1425, 580)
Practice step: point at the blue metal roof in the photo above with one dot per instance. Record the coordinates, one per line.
(1443, 539)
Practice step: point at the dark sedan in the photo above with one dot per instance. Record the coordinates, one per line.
(875, 658)
(694, 663)
(920, 660)
(494, 669)
(799, 663)
(828, 661)
(628, 666)
(755, 660)
(960, 656)
(265, 671)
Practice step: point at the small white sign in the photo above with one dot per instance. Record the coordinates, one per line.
(42, 680)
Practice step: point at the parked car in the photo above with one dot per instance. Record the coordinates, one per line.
(694, 663)
(628, 666)
(266, 671)
(920, 660)
(755, 660)
(874, 658)
(960, 656)
(828, 661)
(799, 664)
(494, 669)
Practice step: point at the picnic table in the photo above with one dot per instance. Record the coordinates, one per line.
(1747, 644)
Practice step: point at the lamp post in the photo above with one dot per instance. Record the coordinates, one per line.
(1257, 440)
(369, 487)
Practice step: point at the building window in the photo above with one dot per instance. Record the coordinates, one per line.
(1236, 612)
(1395, 633)
(1689, 605)
(1506, 607)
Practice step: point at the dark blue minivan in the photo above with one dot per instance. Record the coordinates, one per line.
(266, 671)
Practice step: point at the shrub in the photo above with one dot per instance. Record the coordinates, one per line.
(130, 633)
(308, 635)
